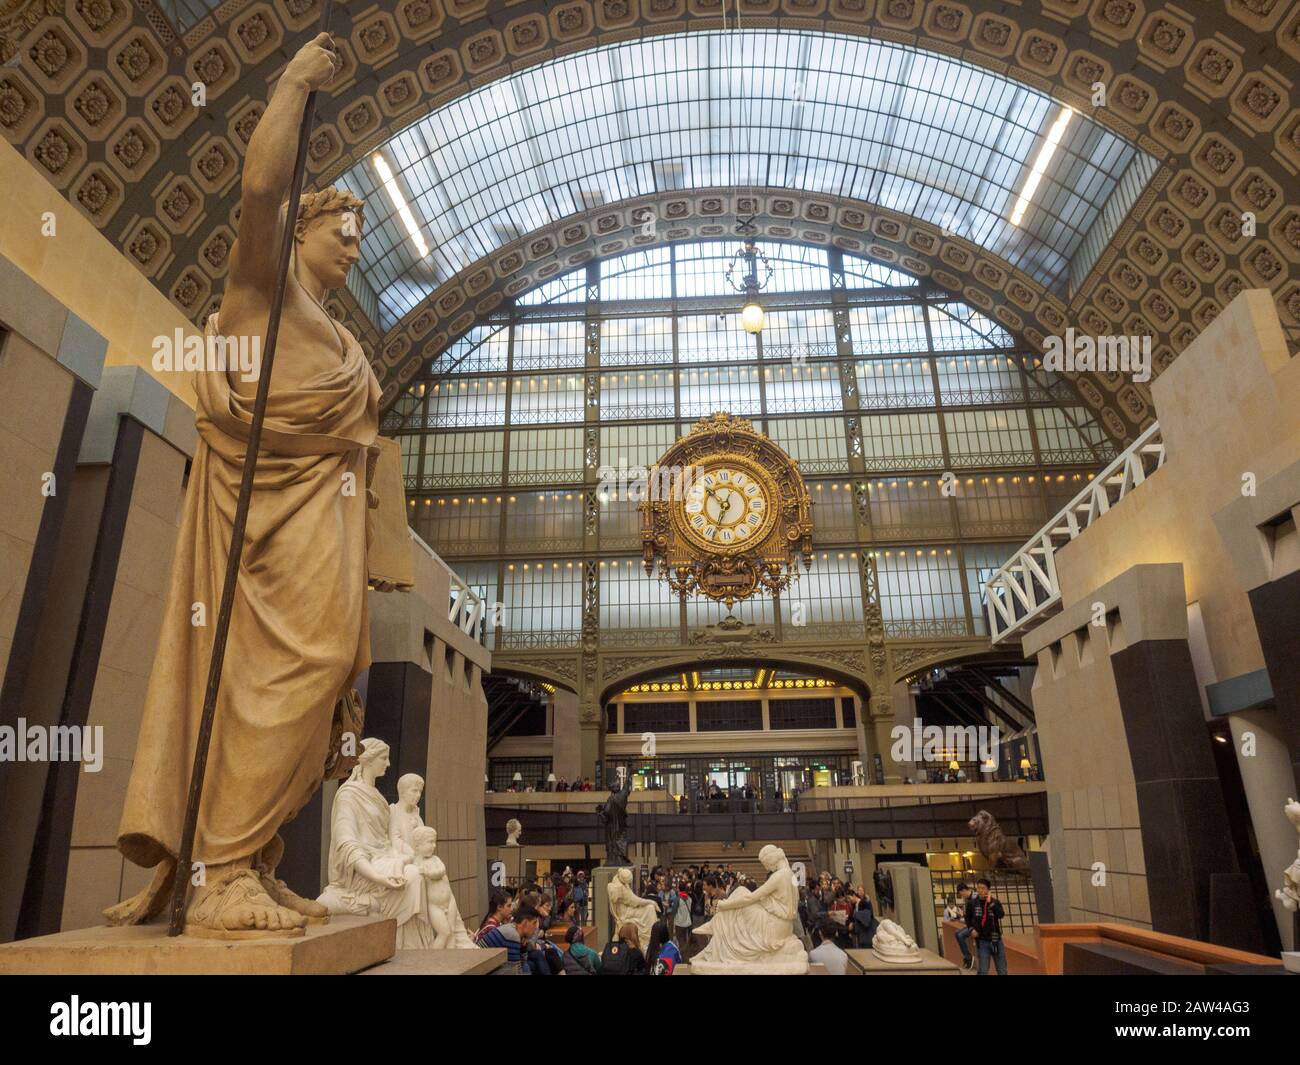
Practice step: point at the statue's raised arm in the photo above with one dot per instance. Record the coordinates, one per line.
(268, 167)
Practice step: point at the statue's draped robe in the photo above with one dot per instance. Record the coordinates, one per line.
(759, 933)
(359, 831)
(626, 906)
(298, 632)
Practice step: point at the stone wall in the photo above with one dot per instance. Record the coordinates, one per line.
(1123, 706)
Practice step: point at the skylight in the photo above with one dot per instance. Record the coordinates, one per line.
(917, 133)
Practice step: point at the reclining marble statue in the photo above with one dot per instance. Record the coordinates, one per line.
(299, 631)
(753, 931)
(382, 859)
(892, 943)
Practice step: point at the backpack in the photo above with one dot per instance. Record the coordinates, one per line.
(667, 961)
(616, 959)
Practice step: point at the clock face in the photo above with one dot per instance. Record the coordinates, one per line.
(727, 508)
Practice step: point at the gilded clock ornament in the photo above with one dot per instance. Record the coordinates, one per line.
(737, 519)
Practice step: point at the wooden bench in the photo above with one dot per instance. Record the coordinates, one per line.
(556, 934)
(1052, 939)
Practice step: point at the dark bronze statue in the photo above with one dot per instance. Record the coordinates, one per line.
(1002, 853)
(612, 814)
(884, 891)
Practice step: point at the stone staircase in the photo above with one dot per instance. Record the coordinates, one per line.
(743, 857)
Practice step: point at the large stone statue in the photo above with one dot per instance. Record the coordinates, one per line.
(627, 907)
(753, 931)
(514, 829)
(382, 861)
(612, 814)
(298, 633)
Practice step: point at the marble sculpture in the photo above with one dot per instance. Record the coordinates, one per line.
(382, 859)
(752, 932)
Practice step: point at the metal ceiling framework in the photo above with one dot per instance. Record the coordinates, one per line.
(97, 97)
(973, 694)
(509, 699)
(909, 131)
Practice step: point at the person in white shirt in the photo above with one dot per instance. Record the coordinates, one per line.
(826, 953)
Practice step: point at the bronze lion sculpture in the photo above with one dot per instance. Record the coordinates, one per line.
(1002, 853)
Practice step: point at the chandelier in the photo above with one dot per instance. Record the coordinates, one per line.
(748, 258)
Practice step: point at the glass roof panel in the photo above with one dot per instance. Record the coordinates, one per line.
(915, 132)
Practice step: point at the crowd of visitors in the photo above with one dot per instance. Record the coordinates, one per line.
(834, 917)
(519, 787)
(959, 776)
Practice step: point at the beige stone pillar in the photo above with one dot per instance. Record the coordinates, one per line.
(864, 738)
(1259, 738)
(591, 740)
(412, 638)
(566, 749)
(145, 435)
(897, 707)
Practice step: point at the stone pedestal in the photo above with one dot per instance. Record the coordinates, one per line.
(343, 945)
(758, 968)
(814, 969)
(478, 962)
(865, 963)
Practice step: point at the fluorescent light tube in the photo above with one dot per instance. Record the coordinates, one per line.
(1039, 168)
(399, 204)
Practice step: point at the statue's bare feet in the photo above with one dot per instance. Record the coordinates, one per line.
(284, 896)
(236, 906)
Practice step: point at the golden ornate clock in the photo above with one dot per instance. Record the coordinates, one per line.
(731, 515)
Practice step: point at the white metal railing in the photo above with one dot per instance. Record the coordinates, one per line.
(466, 610)
(1025, 590)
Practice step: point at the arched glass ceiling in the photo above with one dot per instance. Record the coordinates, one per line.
(918, 133)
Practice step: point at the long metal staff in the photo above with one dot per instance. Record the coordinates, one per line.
(186, 854)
